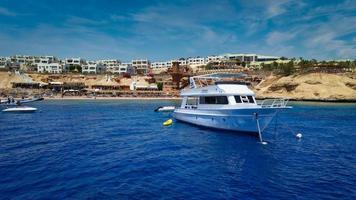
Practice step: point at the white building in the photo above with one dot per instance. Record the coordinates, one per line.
(126, 68)
(53, 68)
(182, 62)
(141, 66)
(72, 64)
(111, 65)
(214, 58)
(197, 61)
(4, 63)
(26, 61)
(161, 65)
(92, 67)
(158, 67)
(240, 57)
(33, 59)
(73, 61)
(248, 57)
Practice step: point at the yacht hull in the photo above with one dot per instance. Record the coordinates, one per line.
(242, 120)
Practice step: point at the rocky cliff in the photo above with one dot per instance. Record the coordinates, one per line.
(313, 86)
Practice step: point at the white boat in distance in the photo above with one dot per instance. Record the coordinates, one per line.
(226, 105)
(165, 109)
(21, 109)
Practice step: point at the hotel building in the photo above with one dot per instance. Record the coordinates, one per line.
(141, 66)
(248, 57)
(73, 64)
(111, 65)
(158, 67)
(197, 61)
(92, 67)
(4, 63)
(214, 58)
(126, 68)
(54, 68)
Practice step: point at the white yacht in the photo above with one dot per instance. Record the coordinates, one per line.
(226, 105)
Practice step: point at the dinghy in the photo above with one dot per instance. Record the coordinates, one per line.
(165, 109)
(22, 109)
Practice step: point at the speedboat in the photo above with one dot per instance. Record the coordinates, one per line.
(13, 102)
(165, 109)
(214, 103)
(21, 109)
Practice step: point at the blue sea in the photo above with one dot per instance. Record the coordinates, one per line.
(118, 149)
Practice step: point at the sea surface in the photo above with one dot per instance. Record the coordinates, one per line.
(118, 149)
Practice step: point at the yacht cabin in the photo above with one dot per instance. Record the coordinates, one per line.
(220, 95)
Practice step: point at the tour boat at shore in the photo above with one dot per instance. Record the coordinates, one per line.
(226, 105)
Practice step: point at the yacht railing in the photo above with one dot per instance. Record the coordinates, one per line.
(207, 79)
(200, 81)
(274, 103)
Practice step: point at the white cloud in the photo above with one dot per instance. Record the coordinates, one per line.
(328, 37)
(277, 37)
(275, 8)
(321, 38)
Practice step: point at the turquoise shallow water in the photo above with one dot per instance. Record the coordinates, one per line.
(119, 149)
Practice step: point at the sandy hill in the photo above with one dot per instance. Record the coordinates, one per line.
(313, 86)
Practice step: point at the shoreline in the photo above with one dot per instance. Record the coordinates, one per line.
(179, 98)
(112, 98)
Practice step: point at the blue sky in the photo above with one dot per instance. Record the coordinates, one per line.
(162, 30)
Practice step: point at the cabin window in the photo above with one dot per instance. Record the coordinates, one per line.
(250, 99)
(213, 100)
(192, 101)
(238, 99)
(244, 99)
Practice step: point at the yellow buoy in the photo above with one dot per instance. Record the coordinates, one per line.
(168, 122)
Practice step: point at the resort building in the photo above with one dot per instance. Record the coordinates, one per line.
(141, 66)
(240, 57)
(73, 64)
(29, 63)
(158, 67)
(53, 68)
(33, 59)
(248, 57)
(195, 62)
(126, 68)
(111, 66)
(4, 63)
(74, 61)
(182, 61)
(214, 58)
(92, 67)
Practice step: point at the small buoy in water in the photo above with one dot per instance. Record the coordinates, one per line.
(299, 135)
(168, 122)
